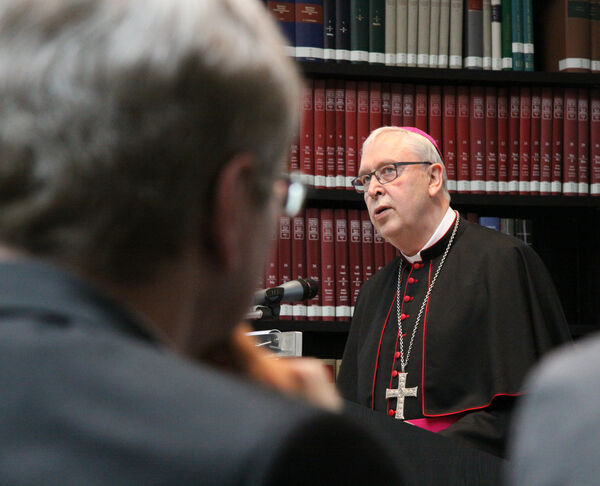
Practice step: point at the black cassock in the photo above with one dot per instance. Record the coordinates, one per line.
(492, 313)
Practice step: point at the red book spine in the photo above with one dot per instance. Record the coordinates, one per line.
(375, 116)
(524, 141)
(351, 125)
(477, 140)
(362, 126)
(293, 160)
(435, 114)
(313, 259)
(503, 147)
(449, 135)
(284, 244)
(272, 266)
(557, 141)
(408, 105)
(421, 107)
(514, 122)
(354, 255)
(386, 105)
(330, 133)
(378, 251)
(320, 140)
(396, 118)
(342, 273)
(368, 268)
(535, 158)
(462, 140)
(338, 179)
(327, 265)
(583, 140)
(491, 141)
(307, 135)
(595, 142)
(569, 186)
(546, 143)
(298, 259)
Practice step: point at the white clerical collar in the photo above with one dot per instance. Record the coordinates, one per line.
(437, 235)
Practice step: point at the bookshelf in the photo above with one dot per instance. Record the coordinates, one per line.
(566, 229)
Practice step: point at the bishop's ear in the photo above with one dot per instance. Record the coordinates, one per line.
(436, 179)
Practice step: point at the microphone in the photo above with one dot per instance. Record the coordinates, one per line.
(292, 291)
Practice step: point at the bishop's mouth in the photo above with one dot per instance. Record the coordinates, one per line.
(381, 210)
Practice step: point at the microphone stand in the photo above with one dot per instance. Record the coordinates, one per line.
(269, 311)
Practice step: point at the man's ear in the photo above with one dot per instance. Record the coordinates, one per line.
(232, 210)
(436, 179)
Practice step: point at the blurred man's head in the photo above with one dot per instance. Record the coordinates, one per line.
(132, 131)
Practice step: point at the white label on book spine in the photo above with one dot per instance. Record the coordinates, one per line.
(423, 60)
(451, 185)
(308, 179)
(285, 310)
(340, 181)
(411, 59)
(507, 63)
(502, 186)
(595, 188)
(574, 63)
(473, 62)
(376, 57)
(433, 60)
(534, 186)
(513, 186)
(491, 186)
(342, 54)
(390, 59)
(299, 310)
(311, 52)
(595, 65)
(401, 59)
(555, 187)
(329, 54)
(320, 181)
(496, 64)
(290, 50)
(342, 311)
(455, 62)
(528, 48)
(359, 56)
(524, 186)
(477, 186)
(314, 311)
(545, 186)
(569, 188)
(328, 311)
(349, 180)
(443, 61)
(330, 181)
(464, 186)
(487, 63)
(583, 188)
(517, 47)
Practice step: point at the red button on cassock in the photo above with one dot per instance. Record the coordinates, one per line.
(397, 354)
(406, 298)
(394, 373)
(412, 280)
(391, 412)
(404, 316)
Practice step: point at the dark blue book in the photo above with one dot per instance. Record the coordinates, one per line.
(309, 30)
(342, 30)
(285, 13)
(491, 222)
(329, 31)
(517, 35)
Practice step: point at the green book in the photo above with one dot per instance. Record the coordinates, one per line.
(359, 31)
(528, 35)
(517, 35)
(377, 31)
(506, 35)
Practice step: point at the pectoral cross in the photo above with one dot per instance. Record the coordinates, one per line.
(400, 393)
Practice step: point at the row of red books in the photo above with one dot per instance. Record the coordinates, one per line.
(505, 140)
(336, 247)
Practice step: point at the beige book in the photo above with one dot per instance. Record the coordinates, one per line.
(390, 32)
(487, 34)
(412, 29)
(434, 33)
(444, 37)
(455, 60)
(401, 32)
(423, 33)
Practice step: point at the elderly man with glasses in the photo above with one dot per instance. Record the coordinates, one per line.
(443, 336)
